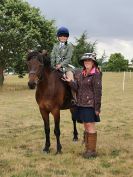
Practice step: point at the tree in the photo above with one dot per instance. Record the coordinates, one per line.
(117, 62)
(132, 61)
(81, 47)
(22, 27)
(102, 60)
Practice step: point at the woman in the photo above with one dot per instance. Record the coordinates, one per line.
(88, 87)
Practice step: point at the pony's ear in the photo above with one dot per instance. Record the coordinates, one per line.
(29, 51)
(44, 52)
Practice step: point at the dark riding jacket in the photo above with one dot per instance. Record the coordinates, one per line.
(88, 89)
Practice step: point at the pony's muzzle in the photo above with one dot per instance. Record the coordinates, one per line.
(31, 85)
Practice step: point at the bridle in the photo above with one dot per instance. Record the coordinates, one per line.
(39, 74)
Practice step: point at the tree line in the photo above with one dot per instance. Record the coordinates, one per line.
(23, 27)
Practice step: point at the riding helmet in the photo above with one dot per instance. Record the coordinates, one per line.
(63, 31)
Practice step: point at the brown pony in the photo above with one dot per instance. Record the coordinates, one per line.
(52, 94)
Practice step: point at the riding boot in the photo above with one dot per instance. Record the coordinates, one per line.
(90, 145)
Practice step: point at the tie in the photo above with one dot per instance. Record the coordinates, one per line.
(61, 44)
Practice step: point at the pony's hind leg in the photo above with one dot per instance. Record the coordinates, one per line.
(45, 116)
(75, 132)
(56, 114)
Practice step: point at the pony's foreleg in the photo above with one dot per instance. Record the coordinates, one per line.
(56, 114)
(45, 116)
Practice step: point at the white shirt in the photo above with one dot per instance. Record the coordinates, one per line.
(62, 44)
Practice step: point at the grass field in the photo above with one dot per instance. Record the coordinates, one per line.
(22, 135)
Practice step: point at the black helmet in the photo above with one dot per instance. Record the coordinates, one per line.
(63, 31)
(86, 56)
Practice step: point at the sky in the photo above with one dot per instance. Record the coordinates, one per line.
(109, 23)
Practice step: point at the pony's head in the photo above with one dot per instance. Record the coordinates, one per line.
(36, 61)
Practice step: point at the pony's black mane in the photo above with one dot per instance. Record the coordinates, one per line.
(40, 56)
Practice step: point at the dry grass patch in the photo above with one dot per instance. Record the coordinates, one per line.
(22, 135)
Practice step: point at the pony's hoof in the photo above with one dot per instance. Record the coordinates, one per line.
(58, 152)
(46, 151)
(75, 139)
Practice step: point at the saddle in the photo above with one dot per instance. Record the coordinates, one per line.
(69, 101)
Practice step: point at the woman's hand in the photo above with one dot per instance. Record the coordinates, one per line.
(65, 78)
(97, 113)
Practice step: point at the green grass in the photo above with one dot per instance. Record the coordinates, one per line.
(22, 135)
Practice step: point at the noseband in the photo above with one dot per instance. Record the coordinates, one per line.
(32, 72)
